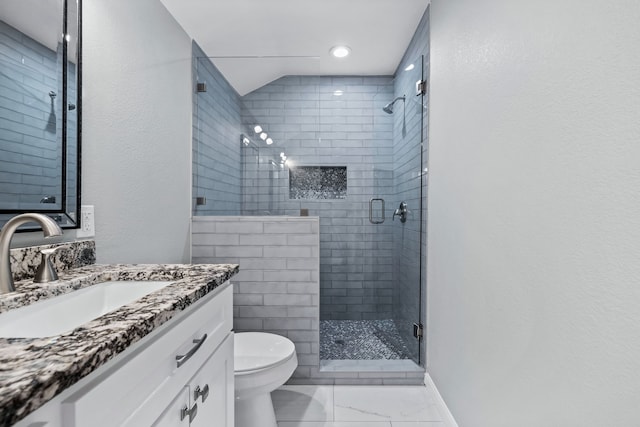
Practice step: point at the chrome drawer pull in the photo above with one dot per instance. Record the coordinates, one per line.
(181, 359)
(190, 412)
(201, 392)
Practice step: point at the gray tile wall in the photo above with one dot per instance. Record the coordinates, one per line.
(408, 180)
(216, 140)
(30, 140)
(277, 289)
(315, 127)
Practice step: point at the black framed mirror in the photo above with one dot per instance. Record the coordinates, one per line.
(40, 108)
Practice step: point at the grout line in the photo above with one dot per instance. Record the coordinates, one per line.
(333, 399)
(447, 416)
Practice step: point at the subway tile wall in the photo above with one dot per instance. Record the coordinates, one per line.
(30, 121)
(277, 287)
(216, 140)
(331, 121)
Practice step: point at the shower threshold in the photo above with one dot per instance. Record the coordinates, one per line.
(346, 365)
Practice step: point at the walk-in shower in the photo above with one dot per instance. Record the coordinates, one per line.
(359, 168)
(325, 147)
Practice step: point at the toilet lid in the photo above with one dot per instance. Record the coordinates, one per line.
(259, 350)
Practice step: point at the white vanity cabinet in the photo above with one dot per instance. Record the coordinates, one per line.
(184, 364)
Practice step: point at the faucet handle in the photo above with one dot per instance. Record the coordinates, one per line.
(51, 251)
(46, 272)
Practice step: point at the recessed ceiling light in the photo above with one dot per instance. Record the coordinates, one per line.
(410, 67)
(269, 141)
(340, 51)
(257, 129)
(338, 93)
(263, 136)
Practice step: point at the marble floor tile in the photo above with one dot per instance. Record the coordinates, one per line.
(303, 403)
(418, 424)
(384, 403)
(335, 424)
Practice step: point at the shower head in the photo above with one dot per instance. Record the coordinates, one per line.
(389, 107)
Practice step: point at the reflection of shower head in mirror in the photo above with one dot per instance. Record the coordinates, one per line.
(52, 121)
(48, 199)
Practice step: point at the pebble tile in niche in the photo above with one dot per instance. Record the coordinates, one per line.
(318, 182)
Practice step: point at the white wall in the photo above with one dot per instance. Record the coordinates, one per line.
(137, 131)
(534, 212)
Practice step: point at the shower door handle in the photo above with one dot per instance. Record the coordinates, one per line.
(377, 220)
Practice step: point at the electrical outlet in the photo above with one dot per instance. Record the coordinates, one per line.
(87, 222)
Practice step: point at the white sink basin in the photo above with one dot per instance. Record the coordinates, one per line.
(66, 312)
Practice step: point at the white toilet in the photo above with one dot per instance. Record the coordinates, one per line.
(262, 363)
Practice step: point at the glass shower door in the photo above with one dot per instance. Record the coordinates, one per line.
(407, 206)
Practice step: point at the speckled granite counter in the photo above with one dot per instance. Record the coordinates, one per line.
(34, 370)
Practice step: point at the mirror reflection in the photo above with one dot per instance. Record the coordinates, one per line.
(39, 108)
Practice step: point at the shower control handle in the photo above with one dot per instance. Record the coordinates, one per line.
(401, 212)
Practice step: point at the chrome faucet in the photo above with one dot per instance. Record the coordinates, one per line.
(49, 228)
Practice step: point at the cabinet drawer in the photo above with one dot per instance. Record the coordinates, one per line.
(214, 401)
(149, 370)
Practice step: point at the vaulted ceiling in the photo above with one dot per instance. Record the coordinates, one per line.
(253, 42)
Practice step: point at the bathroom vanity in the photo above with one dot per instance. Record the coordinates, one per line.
(164, 359)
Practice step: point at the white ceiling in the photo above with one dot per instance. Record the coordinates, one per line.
(378, 32)
(42, 21)
(39, 19)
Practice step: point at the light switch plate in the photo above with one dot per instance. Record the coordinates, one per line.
(87, 222)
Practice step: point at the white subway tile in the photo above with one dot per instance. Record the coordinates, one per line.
(287, 299)
(214, 239)
(288, 275)
(240, 227)
(263, 239)
(287, 251)
(239, 251)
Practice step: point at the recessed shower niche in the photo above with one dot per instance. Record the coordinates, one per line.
(318, 182)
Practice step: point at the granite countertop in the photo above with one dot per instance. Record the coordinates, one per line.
(34, 370)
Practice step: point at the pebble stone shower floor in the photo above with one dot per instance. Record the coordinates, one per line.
(361, 340)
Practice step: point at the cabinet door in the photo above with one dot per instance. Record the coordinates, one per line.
(173, 416)
(212, 389)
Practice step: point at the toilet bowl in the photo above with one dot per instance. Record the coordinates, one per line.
(262, 363)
